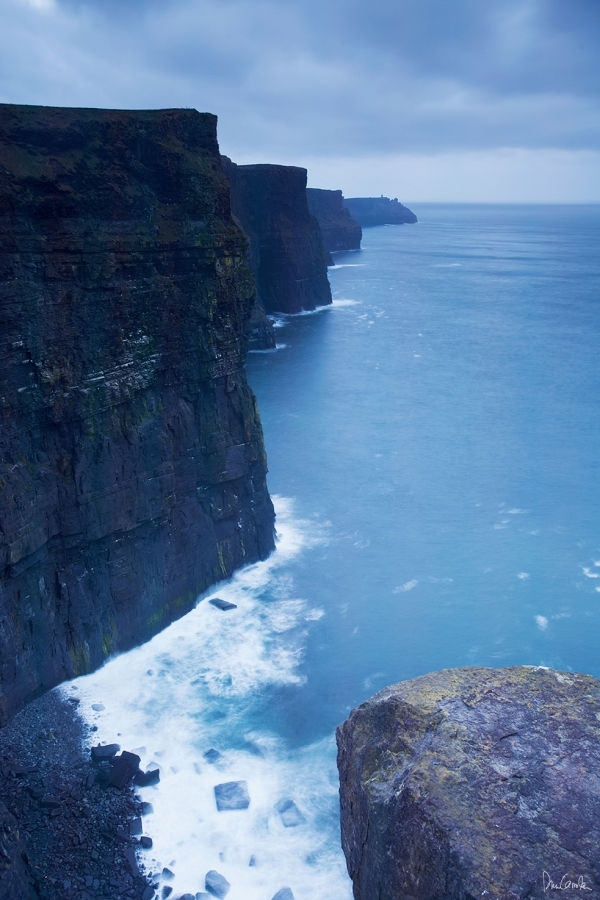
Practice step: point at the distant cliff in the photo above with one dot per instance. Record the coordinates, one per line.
(378, 211)
(132, 462)
(473, 782)
(286, 247)
(340, 231)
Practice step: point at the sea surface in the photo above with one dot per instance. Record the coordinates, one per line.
(433, 442)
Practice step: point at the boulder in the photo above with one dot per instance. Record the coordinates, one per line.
(212, 755)
(222, 604)
(104, 751)
(290, 814)
(284, 893)
(473, 783)
(150, 776)
(216, 884)
(232, 795)
(123, 770)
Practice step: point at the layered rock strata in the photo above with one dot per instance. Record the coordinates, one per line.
(340, 231)
(474, 783)
(132, 460)
(286, 246)
(370, 211)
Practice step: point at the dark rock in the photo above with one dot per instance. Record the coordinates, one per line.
(473, 783)
(17, 879)
(187, 897)
(290, 814)
(216, 884)
(369, 211)
(146, 842)
(147, 808)
(123, 769)
(232, 795)
(150, 776)
(287, 254)
(132, 459)
(201, 895)
(148, 893)
(135, 826)
(340, 231)
(104, 751)
(284, 893)
(167, 890)
(129, 854)
(50, 802)
(222, 604)
(167, 874)
(212, 756)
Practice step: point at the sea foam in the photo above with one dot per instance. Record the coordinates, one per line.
(203, 684)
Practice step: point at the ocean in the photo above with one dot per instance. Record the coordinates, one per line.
(433, 452)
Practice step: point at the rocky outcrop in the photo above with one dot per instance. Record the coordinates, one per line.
(371, 211)
(474, 783)
(340, 231)
(286, 247)
(133, 467)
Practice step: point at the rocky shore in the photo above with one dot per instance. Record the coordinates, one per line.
(71, 834)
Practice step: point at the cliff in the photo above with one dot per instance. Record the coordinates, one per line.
(379, 211)
(287, 254)
(472, 783)
(132, 460)
(340, 231)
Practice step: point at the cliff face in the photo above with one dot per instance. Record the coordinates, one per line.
(286, 247)
(379, 211)
(132, 462)
(340, 231)
(473, 783)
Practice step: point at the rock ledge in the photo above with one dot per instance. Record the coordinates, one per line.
(474, 783)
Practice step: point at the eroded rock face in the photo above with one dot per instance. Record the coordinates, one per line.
(286, 246)
(474, 783)
(340, 231)
(132, 459)
(371, 211)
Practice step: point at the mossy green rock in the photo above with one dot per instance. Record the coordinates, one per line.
(474, 783)
(132, 472)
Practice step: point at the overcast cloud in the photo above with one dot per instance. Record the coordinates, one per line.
(423, 86)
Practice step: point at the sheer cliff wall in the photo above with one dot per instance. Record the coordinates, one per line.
(132, 467)
(340, 231)
(370, 211)
(286, 246)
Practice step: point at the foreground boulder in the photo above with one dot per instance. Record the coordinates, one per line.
(474, 783)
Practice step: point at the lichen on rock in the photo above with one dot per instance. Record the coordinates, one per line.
(473, 783)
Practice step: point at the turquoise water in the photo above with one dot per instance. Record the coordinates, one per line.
(433, 444)
(446, 424)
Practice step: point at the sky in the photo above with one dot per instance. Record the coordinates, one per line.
(425, 100)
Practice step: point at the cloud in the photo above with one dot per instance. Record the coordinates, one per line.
(308, 78)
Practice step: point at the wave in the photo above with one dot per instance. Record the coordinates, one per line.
(202, 684)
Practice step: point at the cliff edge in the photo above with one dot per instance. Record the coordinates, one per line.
(286, 247)
(340, 231)
(132, 460)
(473, 783)
(370, 211)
